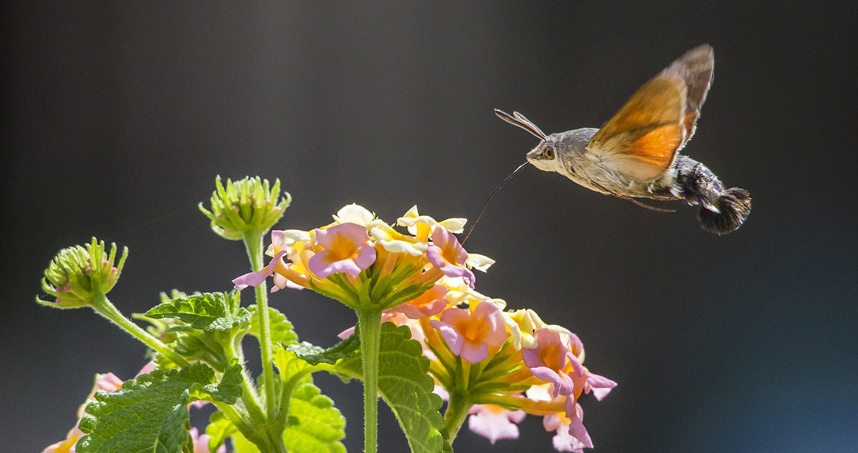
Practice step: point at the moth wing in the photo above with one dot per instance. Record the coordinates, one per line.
(644, 136)
(697, 69)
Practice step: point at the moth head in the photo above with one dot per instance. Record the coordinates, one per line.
(544, 156)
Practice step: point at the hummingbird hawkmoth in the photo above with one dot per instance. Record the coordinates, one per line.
(636, 153)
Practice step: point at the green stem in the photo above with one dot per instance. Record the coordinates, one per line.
(248, 393)
(253, 243)
(369, 322)
(454, 417)
(105, 308)
(262, 439)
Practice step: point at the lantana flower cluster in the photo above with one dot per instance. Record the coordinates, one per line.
(360, 260)
(493, 364)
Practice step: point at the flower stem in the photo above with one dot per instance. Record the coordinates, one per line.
(105, 308)
(248, 393)
(454, 417)
(369, 322)
(253, 244)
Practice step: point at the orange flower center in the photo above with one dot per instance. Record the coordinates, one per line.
(552, 354)
(449, 253)
(474, 330)
(342, 248)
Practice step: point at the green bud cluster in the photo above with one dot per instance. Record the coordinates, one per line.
(245, 206)
(75, 281)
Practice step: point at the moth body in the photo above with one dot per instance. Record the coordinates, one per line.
(566, 153)
(636, 153)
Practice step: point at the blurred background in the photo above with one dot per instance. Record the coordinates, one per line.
(117, 117)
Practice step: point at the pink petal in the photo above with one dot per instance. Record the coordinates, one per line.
(516, 416)
(531, 358)
(148, 368)
(474, 352)
(347, 333)
(493, 425)
(278, 238)
(450, 335)
(490, 314)
(576, 365)
(365, 257)
(453, 315)
(415, 312)
(444, 239)
(563, 385)
(352, 231)
(320, 265)
(435, 256)
(577, 430)
(108, 382)
(442, 392)
(250, 279)
(256, 278)
(563, 441)
(600, 385)
(551, 422)
(429, 303)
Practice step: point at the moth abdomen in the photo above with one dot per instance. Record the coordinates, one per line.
(733, 206)
(721, 210)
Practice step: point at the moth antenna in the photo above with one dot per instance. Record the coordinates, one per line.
(526, 125)
(529, 123)
(492, 194)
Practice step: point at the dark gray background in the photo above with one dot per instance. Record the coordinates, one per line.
(117, 117)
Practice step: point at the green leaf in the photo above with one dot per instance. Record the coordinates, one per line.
(207, 312)
(241, 445)
(200, 327)
(314, 424)
(150, 413)
(227, 390)
(315, 355)
(403, 382)
(218, 429)
(281, 328)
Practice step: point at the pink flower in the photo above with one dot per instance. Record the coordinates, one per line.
(345, 250)
(469, 334)
(429, 303)
(599, 385)
(201, 442)
(256, 278)
(108, 382)
(494, 422)
(148, 368)
(548, 360)
(562, 441)
(447, 254)
(575, 415)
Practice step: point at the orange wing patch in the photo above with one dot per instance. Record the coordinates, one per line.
(656, 147)
(652, 153)
(644, 135)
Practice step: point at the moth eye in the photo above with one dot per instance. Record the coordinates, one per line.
(548, 153)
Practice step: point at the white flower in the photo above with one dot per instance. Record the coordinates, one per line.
(354, 213)
(479, 262)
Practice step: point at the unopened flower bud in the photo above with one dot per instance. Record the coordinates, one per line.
(78, 274)
(246, 205)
